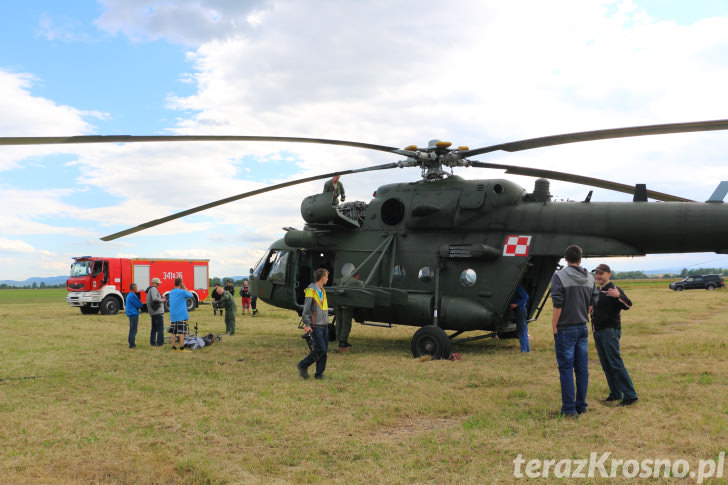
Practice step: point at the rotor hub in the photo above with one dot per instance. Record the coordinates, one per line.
(433, 159)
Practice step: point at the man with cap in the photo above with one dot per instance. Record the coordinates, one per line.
(607, 329)
(155, 308)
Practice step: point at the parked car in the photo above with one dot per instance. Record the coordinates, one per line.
(706, 281)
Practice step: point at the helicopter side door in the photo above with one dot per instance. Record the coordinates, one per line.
(307, 262)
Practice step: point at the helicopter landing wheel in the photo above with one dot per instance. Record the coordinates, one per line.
(432, 341)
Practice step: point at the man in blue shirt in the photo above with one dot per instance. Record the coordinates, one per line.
(133, 306)
(178, 313)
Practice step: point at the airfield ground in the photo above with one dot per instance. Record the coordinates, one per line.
(77, 406)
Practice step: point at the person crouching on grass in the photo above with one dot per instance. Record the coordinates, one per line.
(607, 329)
(178, 313)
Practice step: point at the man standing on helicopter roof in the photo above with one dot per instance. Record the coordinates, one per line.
(337, 188)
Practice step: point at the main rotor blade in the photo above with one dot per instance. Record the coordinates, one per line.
(600, 135)
(210, 205)
(579, 179)
(67, 140)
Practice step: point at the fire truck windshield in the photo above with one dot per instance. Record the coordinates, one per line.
(81, 268)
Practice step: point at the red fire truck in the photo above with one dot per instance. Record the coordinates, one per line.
(101, 284)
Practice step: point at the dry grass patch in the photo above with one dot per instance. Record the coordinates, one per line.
(78, 406)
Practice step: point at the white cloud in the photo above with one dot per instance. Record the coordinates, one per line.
(15, 246)
(190, 23)
(391, 73)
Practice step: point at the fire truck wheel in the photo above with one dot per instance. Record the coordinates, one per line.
(110, 306)
(190, 304)
(89, 310)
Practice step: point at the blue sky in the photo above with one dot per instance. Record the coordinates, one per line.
(391, 73)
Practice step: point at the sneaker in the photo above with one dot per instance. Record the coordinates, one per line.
(628, 402)
(302, 371)
(183, 349)
(317, 376)
(174, 348)
(569, 415)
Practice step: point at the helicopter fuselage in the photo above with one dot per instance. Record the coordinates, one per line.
(451, 252)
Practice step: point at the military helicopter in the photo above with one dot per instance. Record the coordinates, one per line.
(446, 254)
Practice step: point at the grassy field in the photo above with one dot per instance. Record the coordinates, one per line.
(78, 406)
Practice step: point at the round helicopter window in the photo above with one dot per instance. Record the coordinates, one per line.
(347, 269)
(392, 211)
(468, 278)
(426, 274)
(398, 273)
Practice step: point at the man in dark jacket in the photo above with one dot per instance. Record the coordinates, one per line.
(573, 295)
(607, 328)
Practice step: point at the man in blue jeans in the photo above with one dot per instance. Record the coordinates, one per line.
(519, 305)
(607, 328)
(316, 321)
(573, 294)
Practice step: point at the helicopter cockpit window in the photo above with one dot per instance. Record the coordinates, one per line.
(468, 278)
(398, 273)
(426, 274)
(272, 266)
(278, 269)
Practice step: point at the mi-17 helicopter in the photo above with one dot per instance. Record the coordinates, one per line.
(446, 254)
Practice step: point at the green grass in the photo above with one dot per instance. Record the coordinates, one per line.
(77, 406)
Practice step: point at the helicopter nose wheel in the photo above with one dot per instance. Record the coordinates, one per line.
(432, 341)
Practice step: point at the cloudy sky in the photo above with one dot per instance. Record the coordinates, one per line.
(385, 72)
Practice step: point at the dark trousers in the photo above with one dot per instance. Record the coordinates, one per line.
(344, 314)
(133, 326)
(230, 321)
(618, 380)
(156, 337)
(320, 346)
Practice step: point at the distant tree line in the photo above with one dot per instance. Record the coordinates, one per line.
(621, 275)
(34, 286)
(639, 275)
(221, 281)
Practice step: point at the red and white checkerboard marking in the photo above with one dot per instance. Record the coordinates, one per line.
(516, 246)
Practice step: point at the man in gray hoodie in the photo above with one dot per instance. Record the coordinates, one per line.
(155, 307)
(315, 317)
(573, 294)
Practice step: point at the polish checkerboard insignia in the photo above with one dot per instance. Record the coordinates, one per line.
(516, 245)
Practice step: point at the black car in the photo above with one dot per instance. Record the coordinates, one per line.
(706, 281)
